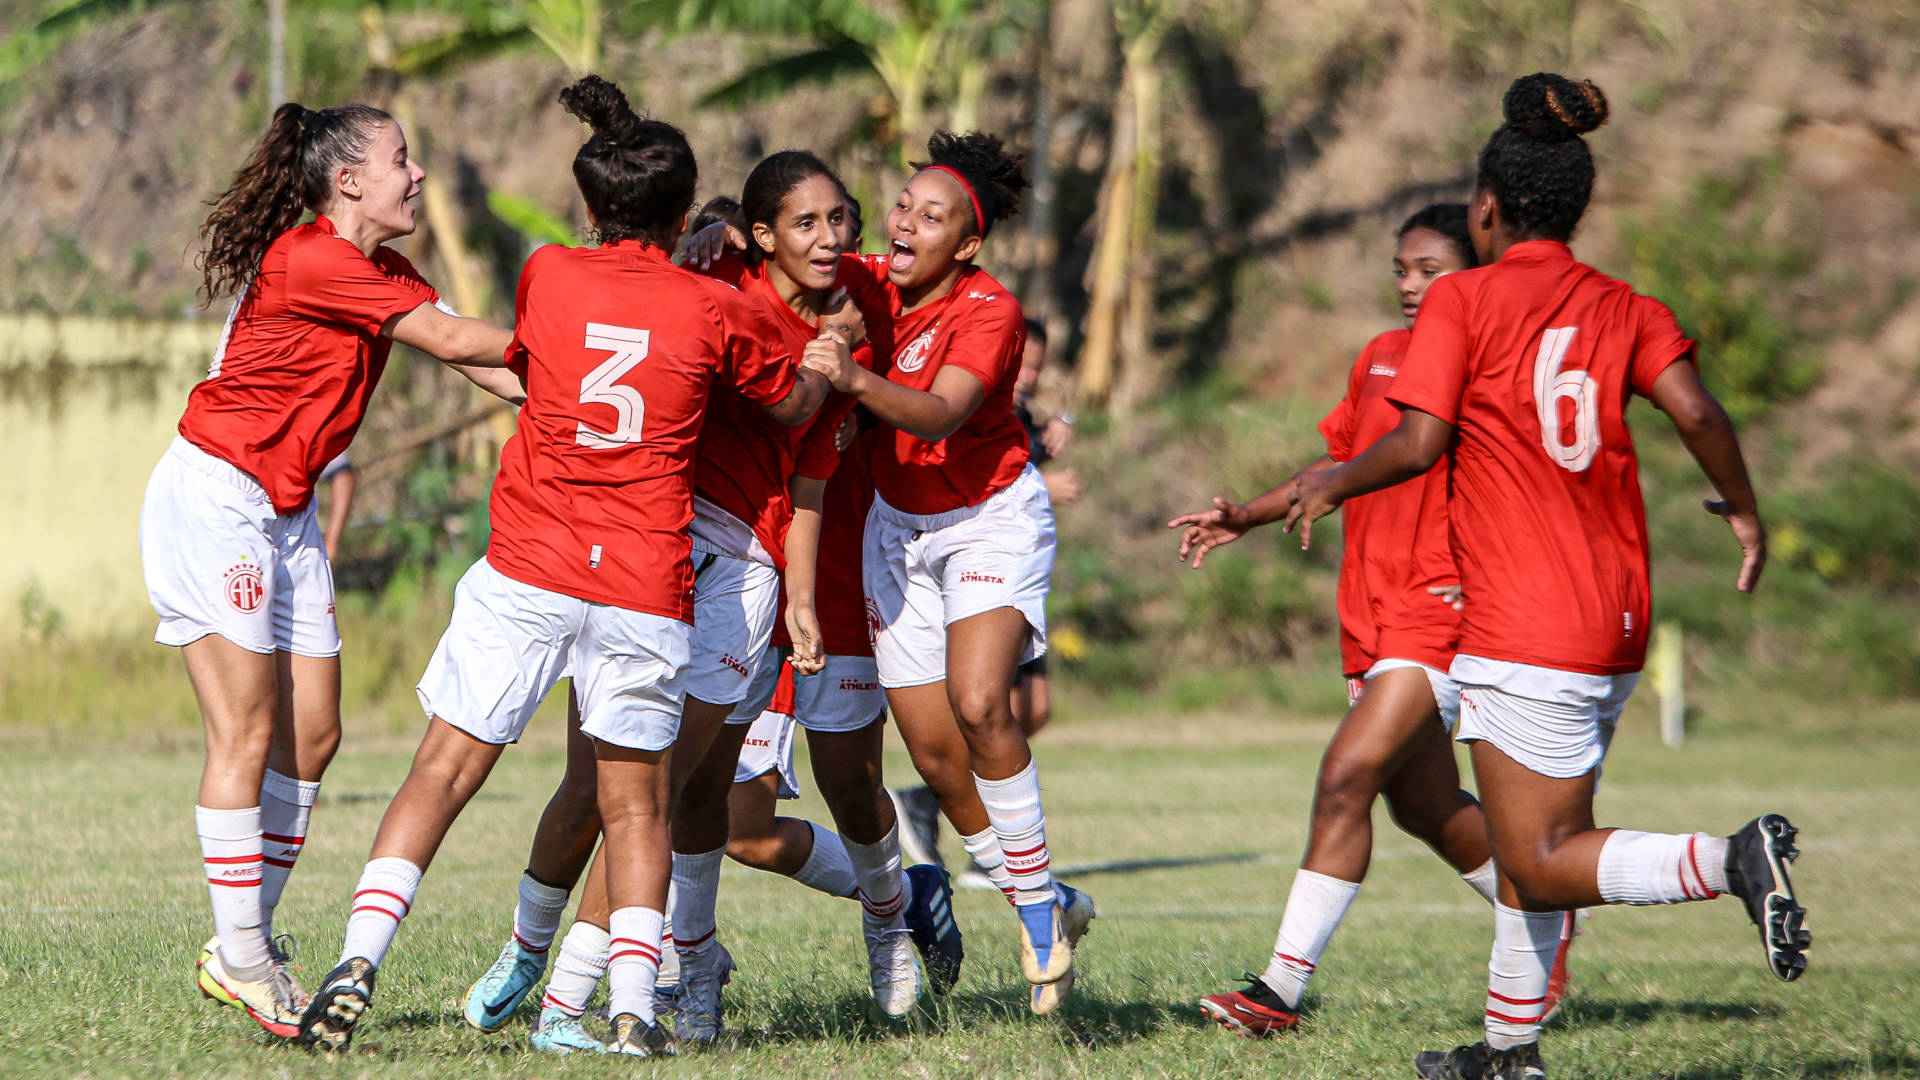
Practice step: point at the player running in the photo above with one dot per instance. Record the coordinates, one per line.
(589, 565)
(1525, 368)
(235, 563)
(1399, 625)
(959, 544)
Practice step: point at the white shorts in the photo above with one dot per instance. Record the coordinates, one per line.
(733, 609)
(509, 642)
(1446, 692)
(844, 696)
(1556, 723)
(218, 560)
(769, 748)
(761, 686)
(925, 572)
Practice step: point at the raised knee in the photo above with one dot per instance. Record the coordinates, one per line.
(977, 708)
(757, 852)
(1345, 787)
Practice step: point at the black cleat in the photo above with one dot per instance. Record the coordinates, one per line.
(337, 1006)
(1757, 858)
(929, 918)
(1478, 1062)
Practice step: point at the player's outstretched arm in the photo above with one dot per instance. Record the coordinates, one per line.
(498, 381)
(1229, 521)
(451, 339)
(809, 392)
(1407, 451)
(803, 557)
(1708, 434)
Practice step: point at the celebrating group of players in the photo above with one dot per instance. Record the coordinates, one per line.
(782, 482)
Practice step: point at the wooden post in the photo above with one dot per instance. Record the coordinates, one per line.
(1670, 681)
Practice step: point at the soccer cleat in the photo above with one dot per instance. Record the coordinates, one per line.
(918, 811)
(703, 972)
(209, 988)
(267, 1001)
(1558, 980)
(635, 1037)
(893, 971)
(929, 917)
(492, 1000)
(1254, 1012)
(1477, 1062)
(1077, 911)
(337, 1006)
(1046, 956)
(557, 1032)
(1757, 858)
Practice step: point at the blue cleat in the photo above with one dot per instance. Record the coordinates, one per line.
(559, 1033)
(492, 1000)
(929, 918)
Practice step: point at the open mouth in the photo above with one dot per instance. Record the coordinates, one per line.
(901, 259)
(825, 265)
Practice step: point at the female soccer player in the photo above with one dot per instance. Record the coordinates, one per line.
(959, 545)
(589, 564)
(1525, 367)
(1398, 629)
(235, 562)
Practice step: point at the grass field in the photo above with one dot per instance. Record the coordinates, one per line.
(104, 914)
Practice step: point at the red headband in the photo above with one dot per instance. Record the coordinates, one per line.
(979, 218)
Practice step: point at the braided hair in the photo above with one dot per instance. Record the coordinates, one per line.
(1536, 164)
(637, 175)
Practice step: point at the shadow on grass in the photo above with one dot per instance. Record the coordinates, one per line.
(1591, 1012)
(1089, 1021)
(1135, 866)
(1897, 1063)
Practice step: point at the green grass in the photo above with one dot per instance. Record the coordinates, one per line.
(105, 913)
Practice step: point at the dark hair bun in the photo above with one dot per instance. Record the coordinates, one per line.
(603, 107)
(1553, 108)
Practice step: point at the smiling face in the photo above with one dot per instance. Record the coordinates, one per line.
(806, 238)
(383, 187)
(930, 230)
(1422, 257)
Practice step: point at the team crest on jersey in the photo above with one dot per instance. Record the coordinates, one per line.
(245, 589)
(976, 294)
(874, 625)
(914, 356)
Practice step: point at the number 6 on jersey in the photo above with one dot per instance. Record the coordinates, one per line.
(1550, 384)
(602, 385)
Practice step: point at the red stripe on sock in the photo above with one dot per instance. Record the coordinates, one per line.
(651, 958)
(1497, 996)
(688, 943)
(1024, 854)
(294, 841)
(528, 945)
(1505, 1019)
(229, 860)
(1694, 860)
(405, 904)
(1294, 960)
(617, 943)
(553, 1002)
(252, 883)
(1012, 869)
(373, 907)
(284, 864)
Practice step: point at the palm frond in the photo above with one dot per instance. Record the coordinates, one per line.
(777, 75)
(531, 220)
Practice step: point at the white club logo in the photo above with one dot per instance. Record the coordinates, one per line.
(914, 356)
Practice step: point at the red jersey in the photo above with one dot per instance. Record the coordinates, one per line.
(745, 458)
(1533, 360)
(618, 348)
(1396, 540)
(840, 597)
(978, 328)
(300, 356)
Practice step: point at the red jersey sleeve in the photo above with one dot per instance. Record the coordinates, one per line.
(988, 344)
(759, 364)
(330, 281)
(1337, 428)
(1658, 345)
(1434, 375)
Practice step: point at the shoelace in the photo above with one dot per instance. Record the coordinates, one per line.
(282, 948)
(282, 986)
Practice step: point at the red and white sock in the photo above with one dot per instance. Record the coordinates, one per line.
(230, 855)
(1485, 880)
(285, 806)
(696, 893)
(984, 846)
(537, 917)
(1662, 868)
(633, 960)
(827, 867)
(1523, 946)
(1020, 822)
(380, 901)
(1315, 905)
(882, 887)
(578, 969)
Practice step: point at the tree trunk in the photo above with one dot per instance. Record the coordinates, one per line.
(1043, 248)
(1099, 358)
(1142, 375)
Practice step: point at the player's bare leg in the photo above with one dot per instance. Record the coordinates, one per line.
(634, 795)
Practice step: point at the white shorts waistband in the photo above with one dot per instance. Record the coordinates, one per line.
(217, 469)
(931, 522)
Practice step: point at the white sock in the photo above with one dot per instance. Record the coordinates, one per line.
(537, 917)
(1484, 880)
(1315, 905)
(285, 806)
(633, 960)
(230, 854)
(380, 901)
(1523, 946)
(827, 867)
(984, 846)
(1662, 868)
(876, 867)
(1019, 820)
(696, 891)
(577, 970)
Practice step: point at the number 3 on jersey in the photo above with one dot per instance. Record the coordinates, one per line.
(1550, 384)
(602, 386)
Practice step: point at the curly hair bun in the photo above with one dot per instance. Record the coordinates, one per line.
(996, 173)
(603, 107)
(1553, 108)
